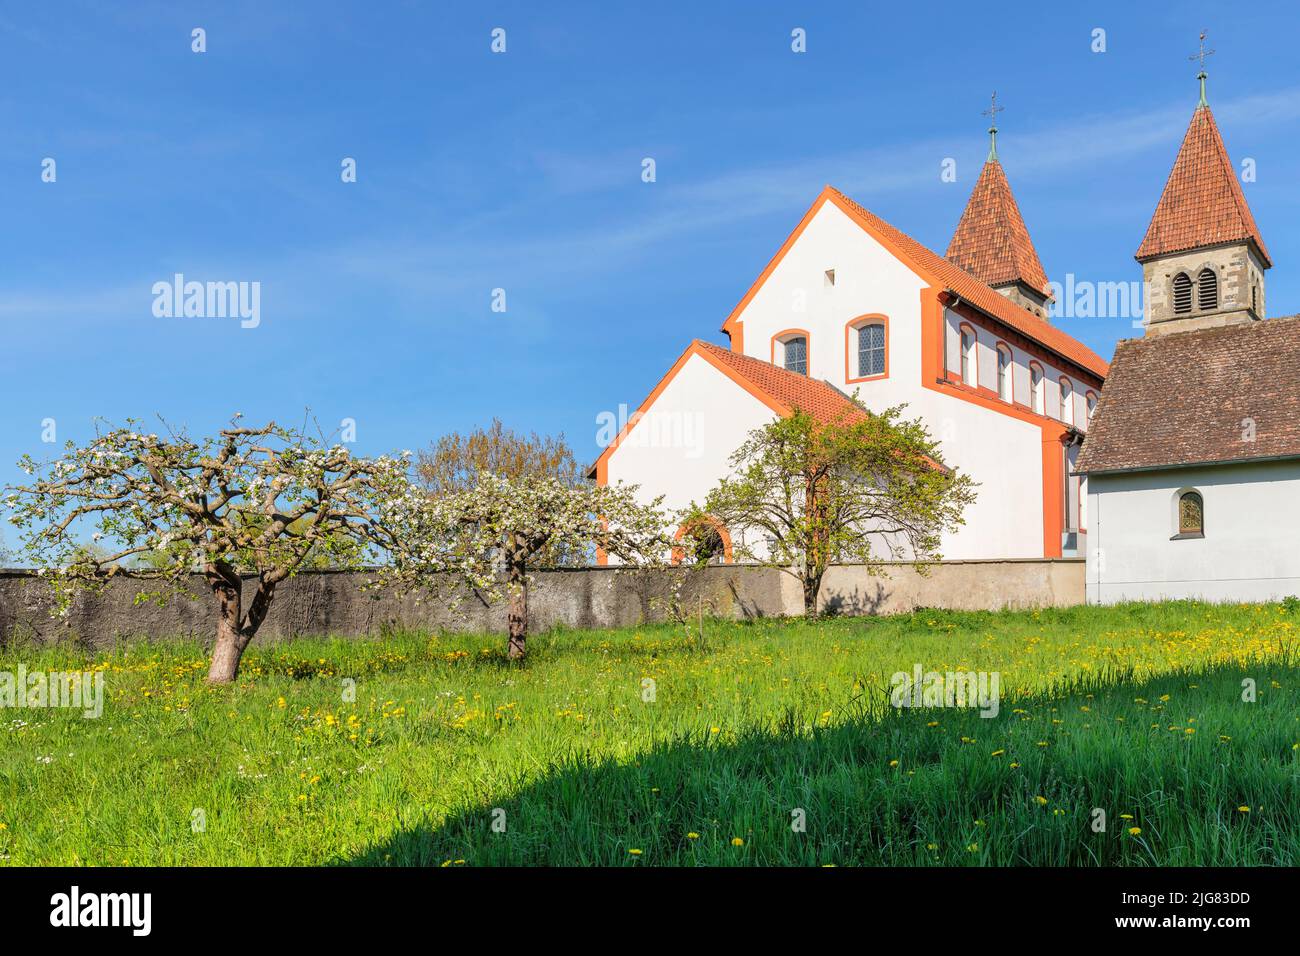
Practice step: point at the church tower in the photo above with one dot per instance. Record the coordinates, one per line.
(991, 241)
(1203, 258)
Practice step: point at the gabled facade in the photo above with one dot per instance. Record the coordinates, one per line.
(851, 305)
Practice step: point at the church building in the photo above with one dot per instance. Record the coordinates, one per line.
(850, 305)
(1193, 459)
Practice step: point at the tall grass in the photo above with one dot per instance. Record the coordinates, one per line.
(686, 752)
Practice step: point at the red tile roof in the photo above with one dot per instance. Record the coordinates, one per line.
(1188, 398)
(818, 398)
(1202, 204)
(991, 241)
(973, 291)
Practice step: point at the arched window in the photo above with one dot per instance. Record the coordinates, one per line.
(871, 349)
(969, 361)
(1035, 388)
(1004, 373)
(1191, 515)
(1207, 290)
(1067, 401)
(792, 347)
(1182, 293)
(796, 354)
(1091, 400)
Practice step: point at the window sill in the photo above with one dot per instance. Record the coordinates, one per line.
(1184, 537)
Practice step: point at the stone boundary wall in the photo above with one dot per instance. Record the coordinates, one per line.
(319, 603)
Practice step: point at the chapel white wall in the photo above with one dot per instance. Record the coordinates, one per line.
(682, 445)
(1251, 548)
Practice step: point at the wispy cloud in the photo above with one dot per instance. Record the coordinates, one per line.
(470, 257)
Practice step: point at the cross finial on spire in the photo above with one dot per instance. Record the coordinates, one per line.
(1201, 55)
(992, 113)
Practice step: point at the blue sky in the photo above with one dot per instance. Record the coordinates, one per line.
(522, 171)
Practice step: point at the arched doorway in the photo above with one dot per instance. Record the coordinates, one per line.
(710, 539)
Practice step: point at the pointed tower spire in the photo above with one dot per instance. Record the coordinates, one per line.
(992, 242)
(1203, 258)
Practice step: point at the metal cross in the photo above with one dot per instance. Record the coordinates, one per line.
(993, 110)
(1203, 52)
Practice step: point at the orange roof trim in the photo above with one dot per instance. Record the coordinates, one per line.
(778, 389)
(938, 271)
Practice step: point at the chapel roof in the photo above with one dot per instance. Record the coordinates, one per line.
(1214, 395)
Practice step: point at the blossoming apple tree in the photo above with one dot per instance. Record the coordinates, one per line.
(488, 537)
(248, 506)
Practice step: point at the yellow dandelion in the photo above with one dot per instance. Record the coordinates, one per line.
(737, 841)
(692, 835)
(1243, 809)
(1134, 831)
(634, 852)
(1041, 801)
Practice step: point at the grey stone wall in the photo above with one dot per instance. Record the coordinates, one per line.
(317, 603)
(1241, 288)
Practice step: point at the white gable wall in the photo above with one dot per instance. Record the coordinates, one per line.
(680, 448)
(1251, 548)
(868, 279)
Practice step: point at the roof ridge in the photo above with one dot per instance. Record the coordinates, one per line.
(976, 292)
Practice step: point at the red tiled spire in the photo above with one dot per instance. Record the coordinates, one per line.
(991, 241)
(1202, 204)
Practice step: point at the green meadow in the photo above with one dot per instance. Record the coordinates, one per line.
(710, 743)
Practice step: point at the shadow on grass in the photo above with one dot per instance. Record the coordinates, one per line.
(1169, 761)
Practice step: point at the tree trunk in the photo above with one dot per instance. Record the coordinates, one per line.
(234, 630)
(812, 585)
(229, 646)
(517, 613)
(814, 565)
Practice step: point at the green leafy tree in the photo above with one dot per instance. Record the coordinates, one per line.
(863, 488)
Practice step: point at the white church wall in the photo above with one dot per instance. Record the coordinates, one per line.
(986, 352)
(1249, 551)
(681, 446)
(1004, 455)
(868, 280)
